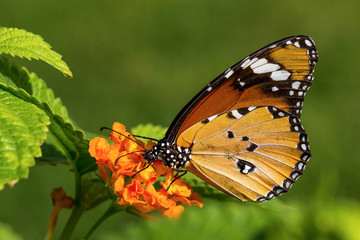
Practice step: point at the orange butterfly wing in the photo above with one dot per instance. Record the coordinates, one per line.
(251, 153)
(276, 75)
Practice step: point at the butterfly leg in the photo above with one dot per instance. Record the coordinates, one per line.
(177, 176)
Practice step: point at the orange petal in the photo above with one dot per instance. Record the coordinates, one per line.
(144, 208)
(149, 145)
(118, 184)
(146, 173)
(132, 191)
(196, 200)
(116, 137)
(162, 199)
(160, 168)
(104, 174)
(181, 199)
(174, 212)
(114, 152)
(178, 187)
(131, 146)
(98, 148)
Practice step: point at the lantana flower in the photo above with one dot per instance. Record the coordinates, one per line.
(137, 185)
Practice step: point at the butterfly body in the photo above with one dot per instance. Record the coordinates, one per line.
(173, 156)
(242, 133)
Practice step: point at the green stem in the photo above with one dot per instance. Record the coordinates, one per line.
(72, 222)
(109, 212)
(77, 211)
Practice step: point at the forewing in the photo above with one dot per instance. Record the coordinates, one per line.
(277, 75)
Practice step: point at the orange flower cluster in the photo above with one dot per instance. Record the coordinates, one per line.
(123, 159)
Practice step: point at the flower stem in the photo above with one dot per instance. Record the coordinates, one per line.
(109, 212)
(72, 222)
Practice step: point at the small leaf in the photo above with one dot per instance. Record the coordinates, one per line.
(6, 232)
(20, 43)
(149, 130)
(52, 154)
(94, 193)
(72, 141)
(23, 128)
(20, 77)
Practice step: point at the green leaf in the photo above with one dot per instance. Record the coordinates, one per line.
(6, 232)
(149, 130)
(52, 153)
(20, 77)
(72, 141)
(95, 191)
(23, 128)
(20, 43)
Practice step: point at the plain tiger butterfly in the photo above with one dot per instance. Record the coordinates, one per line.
(242, 132)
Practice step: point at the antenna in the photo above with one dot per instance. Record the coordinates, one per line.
(123, 136)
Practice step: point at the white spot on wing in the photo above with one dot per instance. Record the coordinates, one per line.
(258, 63)
(303, 146)
(245, 63)
(212, 118)
(246, 169)
(249, 63)
(274, 88)
(300, 166)
(307, 42)
(297, 44)
(269, 67)
(228, 73)
(236, 114)
(280, 75)
(251, 108)
(288, 42)
(295, 85)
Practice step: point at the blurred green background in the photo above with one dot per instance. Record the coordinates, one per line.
(141, 61)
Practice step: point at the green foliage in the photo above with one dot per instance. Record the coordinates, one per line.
(7, 233)
(20, 77)
(233, 220)
(73, 142)
(142, 61)
(149, 130)
(20, 43)
(23, 129)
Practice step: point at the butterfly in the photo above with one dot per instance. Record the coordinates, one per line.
(242, 132)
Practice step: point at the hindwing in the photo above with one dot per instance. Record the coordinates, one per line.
(253, 153)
